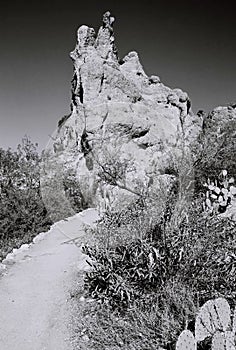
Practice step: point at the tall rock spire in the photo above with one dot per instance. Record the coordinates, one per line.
(120, 115)
(103, 42)
(90, 56)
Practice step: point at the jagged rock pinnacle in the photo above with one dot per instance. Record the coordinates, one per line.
(103, 42)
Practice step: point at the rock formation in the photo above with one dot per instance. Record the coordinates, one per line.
(125, 129)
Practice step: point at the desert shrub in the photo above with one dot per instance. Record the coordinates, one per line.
(73, 191)
(145, 263)
(60, 188)
(56, 203)
(22, 211)
(127, 260)
(209, 260)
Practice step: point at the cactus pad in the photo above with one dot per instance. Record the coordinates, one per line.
(186, 341)
(223, 341)
(214, 315)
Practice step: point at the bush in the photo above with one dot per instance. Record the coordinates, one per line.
(73, 191)
(60, 188)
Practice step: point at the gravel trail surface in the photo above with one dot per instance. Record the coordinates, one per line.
(35, 289)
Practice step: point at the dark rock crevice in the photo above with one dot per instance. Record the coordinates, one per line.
(143, 145)
(86, 149)
(101, 84)
(77, 90)
(63, 120)
(80, 89)
(84, 143)
(139, 133)
(81, 92)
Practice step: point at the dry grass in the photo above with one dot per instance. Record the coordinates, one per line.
(97, 327)
(153, 323)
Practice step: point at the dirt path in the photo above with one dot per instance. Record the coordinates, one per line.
(35, 292)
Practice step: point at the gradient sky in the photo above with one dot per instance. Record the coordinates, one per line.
(190, 44)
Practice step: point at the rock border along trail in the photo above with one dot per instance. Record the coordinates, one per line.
(35, 288)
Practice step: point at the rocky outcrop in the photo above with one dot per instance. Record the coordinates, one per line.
(126, 129)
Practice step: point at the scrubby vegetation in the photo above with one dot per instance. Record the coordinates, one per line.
(161, 273)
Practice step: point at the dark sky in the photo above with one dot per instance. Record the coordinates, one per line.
(190, 44)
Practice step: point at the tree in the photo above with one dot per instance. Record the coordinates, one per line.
(22, 211)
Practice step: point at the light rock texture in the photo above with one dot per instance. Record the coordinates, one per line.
(125, 129)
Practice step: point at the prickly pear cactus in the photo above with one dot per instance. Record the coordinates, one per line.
(230, 340)
(213, 320)
(219, 193)
(223, 341)
(186, 341)
(213, 316)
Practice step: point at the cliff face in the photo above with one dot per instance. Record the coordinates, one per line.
(125, 128)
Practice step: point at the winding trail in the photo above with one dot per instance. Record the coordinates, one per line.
(35, 291)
